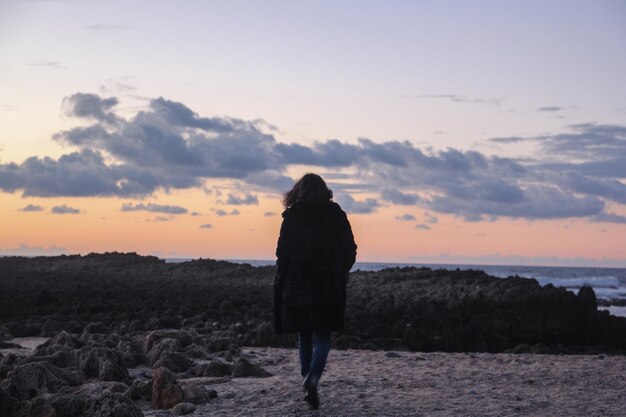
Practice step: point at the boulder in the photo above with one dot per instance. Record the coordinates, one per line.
(183, 408)
(245, 368)
(8, 404)
(195, 394)
(96, 328)
(175, 361)
(110, 404)
(33, 379)
(166, 392)
(51, 327)
(162, 347)
(213, 368)
(102, 363)
(141, 390)
(184, 337)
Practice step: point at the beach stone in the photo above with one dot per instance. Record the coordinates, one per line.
(51, 327)
(162, 347)
(110, 404)
(140, 389)
(175, 361)
(195, 394)
(8, 403)
(183, 408)
(61, 358)
(214, 368)
(33, 379)
(218, 344)
(392, 355)
(96, 328)
(183, 337)
(263, 334)
(103, 363)
(166, 392)
(244, 368)
(63, 338)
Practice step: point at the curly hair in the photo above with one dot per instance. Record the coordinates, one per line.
(311, 188)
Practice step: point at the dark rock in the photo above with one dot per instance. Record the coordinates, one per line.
(183, 408)
(219, 344)
(263, 334)
(60, 358)
(175, 361)
(102, 363)
(132, 351)
(196, 352)
(33, 379)
(213, 368)
(194, 393)
(166, 392)
(96, 328)
(113, 405)
(141, 390)
(8, 404)
(183, 337)
(244, 368)
(392, 355)
(395, 309)
(162, 348)
(6, 364)
(63, 338)
(51, 327)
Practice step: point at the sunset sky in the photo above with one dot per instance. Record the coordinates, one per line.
(482, 132)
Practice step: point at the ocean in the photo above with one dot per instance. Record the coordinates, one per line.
(608, 283)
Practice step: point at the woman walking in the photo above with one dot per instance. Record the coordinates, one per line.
(315, 252)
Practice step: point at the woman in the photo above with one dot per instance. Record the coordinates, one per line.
(315, 252)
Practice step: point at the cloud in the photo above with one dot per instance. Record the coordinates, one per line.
(537, 202)
(550, 108)
(605, 217)
(64, 209)
(168, 146)
(91, 106)
(351, 205)
(223, 213)
(269, 214)
(245, 199)
(154, 208)
(206, 226)
(397, 197)
(406, 218)
(455, 98)
(430, 219)
(423, 226)
(160, 219)
(25, 250)
(508, 139)
(31, 207)
(47, 64)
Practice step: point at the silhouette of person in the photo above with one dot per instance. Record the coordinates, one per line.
(315, 252)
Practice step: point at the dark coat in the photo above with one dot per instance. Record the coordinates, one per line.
(315, 252)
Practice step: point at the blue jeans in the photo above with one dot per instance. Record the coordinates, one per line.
(314, 348)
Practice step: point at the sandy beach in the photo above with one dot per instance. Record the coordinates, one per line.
(376, 383)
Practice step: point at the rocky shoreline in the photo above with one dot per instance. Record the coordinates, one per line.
(125, 328)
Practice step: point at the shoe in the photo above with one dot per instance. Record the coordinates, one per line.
(312, 398)
(310, 388)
